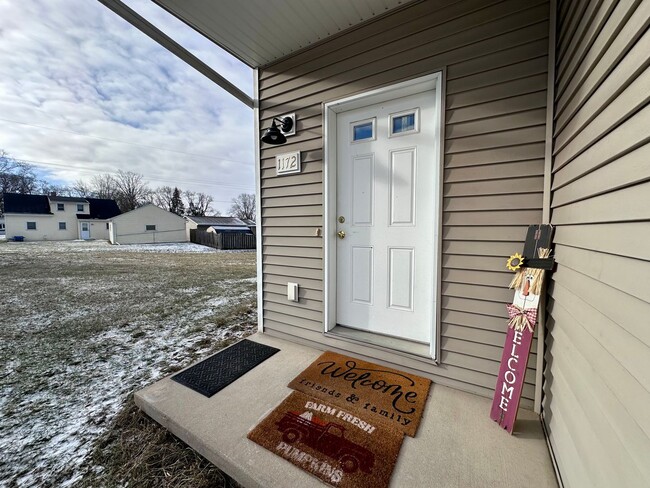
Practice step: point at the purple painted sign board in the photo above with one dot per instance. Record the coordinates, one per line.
(511, 378)
(523, 318)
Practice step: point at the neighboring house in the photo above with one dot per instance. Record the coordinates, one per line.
(230, 232)
(229, 229)
(147, 224)
(251, 225)
(220, 224)
(55, 218)
(432, 133)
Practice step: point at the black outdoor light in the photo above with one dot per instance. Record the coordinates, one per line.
(275, 135)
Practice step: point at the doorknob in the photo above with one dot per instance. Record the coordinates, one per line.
(341, 234)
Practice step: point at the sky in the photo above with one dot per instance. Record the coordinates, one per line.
(82, 92)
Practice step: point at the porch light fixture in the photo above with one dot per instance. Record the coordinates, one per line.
(275, 135)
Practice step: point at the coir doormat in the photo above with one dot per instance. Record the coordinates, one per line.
(343, 447)
(386, 394)
(218, 371)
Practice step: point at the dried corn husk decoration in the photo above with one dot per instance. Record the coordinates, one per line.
(536, 275)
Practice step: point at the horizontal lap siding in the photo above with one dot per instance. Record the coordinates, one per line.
(495, 55)
(597, 377)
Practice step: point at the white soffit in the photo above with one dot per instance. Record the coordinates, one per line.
(259, 32)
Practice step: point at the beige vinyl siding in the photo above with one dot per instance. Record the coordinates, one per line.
(597, 377)
(495, 58)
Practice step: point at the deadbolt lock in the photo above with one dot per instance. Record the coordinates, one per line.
(341, 219)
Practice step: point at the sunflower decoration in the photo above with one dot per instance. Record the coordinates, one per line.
(515, 262)
(534, 276)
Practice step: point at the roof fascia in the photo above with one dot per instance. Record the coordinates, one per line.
(146, 27)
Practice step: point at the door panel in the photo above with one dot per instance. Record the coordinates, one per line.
(362, 270)
(363, 189)
(386, 195)
(402, 187)
(400, 278)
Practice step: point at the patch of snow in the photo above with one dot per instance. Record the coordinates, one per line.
(209, 307)
(217, 302)
(190, 291)
(105, 246)
(56, 398)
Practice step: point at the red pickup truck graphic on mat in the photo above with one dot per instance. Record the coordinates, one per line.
(327, 438)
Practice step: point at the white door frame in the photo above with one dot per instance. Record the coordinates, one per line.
(330, 109)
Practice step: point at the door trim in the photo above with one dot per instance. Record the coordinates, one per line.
(433, 81)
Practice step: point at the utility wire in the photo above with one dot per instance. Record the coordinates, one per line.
(68, 131)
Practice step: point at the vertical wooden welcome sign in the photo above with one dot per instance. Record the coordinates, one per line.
(531, 269)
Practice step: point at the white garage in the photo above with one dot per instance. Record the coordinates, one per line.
(147, 225)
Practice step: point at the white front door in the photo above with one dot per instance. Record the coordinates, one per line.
(85, 230)
(386, 206)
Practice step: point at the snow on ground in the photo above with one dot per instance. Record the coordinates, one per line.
(105, 246)
(80, 332)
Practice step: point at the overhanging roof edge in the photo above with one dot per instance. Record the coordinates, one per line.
(251, 63)
(405, 5)
(194, 28)
(147, 28)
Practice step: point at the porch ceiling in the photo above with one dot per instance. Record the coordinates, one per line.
(259, 32)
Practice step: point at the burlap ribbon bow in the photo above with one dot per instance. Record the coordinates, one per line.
(521, 318)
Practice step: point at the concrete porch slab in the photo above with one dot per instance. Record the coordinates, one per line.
(457, 445)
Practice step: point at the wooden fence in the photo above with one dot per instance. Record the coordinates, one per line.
(230, 240)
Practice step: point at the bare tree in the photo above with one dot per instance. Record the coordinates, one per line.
(170, 199)
(132, 190)
(81, 188)
(127, 188)
(47, 188)
(243, 206)
(198, 204)
(15, 177)
(162, 197)
(104, 186)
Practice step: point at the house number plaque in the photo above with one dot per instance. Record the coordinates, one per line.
(287, 163)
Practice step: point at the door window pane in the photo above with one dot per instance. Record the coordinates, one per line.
(404, 122)
(363, 130)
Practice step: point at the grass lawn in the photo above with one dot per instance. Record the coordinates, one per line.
(86, 324)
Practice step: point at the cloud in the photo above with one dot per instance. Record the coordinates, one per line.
(76, 79)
